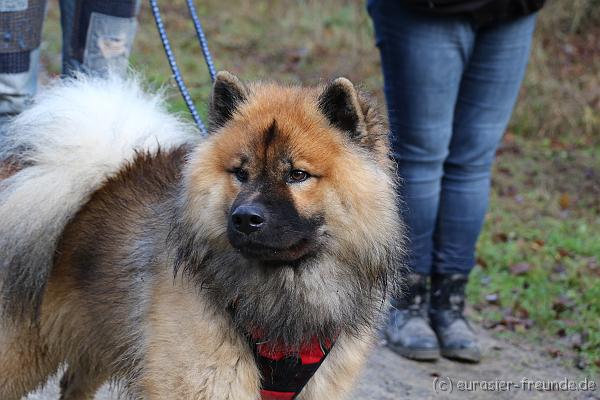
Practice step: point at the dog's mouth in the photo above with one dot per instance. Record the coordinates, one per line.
(276, 254)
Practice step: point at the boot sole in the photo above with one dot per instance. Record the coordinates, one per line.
(467, 355)
(416, 354)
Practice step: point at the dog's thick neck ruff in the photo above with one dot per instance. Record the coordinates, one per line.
(288, 335)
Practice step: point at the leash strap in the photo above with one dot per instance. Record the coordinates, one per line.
(202, 39)
(185, 93)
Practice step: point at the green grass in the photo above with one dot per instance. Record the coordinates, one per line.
(545, 205)
(554, 282)
(541, 219)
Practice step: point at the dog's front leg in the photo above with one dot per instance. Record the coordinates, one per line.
(192, 351)
(193, 366)
(339, 372)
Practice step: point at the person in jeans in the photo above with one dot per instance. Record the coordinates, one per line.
(452, 71)
(97, 37)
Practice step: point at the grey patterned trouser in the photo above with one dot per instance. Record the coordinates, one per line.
(97, 38)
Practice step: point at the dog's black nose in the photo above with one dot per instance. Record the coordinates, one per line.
(248, 219)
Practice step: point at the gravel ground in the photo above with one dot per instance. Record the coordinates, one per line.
(390, 377)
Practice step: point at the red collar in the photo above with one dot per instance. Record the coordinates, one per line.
(285, 370)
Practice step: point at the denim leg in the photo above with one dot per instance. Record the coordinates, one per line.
(487, 95)
(70, 26)
(98, 35)
(423, 58)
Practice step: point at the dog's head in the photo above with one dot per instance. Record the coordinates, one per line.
(295, 184)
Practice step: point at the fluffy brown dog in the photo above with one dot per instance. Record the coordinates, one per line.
(181, 269)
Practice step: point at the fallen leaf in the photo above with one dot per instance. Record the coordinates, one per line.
(537, 244)
(554, 352)
(557, 144)
(520, 312)
(564, 201)
(509, 138)
(564, 253)
(511, 322)
(561, 304)
(504, 171)
(559, 307)
(520, 268)
(508, 191)
(500, 237)
(481, 262)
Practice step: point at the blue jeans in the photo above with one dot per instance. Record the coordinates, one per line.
(450, 88)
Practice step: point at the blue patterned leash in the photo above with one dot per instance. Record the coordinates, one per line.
(185, 93)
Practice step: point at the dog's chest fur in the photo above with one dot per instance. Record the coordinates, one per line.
(207, 358)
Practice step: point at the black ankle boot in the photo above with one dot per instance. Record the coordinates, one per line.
(408, 332)
(456, 337)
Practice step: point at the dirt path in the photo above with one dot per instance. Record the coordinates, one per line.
(390, 377)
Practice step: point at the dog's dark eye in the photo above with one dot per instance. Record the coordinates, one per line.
(298, 176)
(241, 174)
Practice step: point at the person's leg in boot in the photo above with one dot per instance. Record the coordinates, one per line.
(485, 101)
(456, 336)
(407, 331)
(21, 23)
(423, 58)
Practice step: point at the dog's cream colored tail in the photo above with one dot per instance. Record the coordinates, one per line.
(77, 134)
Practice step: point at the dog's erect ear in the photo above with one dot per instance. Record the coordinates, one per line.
(227, 94)
(340, 104)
